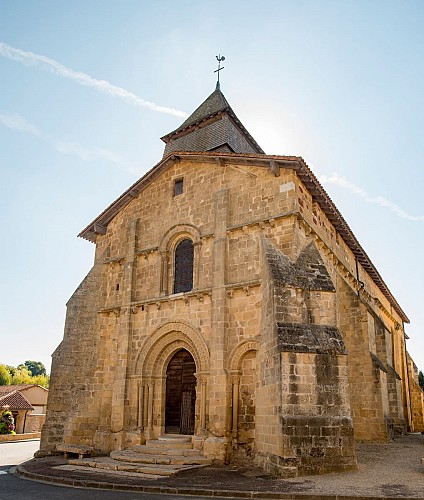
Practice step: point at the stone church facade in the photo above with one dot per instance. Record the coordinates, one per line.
(229, 300)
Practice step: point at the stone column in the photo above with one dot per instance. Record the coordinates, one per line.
(140, 404)
(215, 447)
(145, 404)
(150, 389)
(236, 385)
(201, 393)
(196, 265)
(123, 338)
(164, 266)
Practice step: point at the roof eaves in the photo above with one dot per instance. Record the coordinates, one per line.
(101, 221)
(336, 218)
(192, 126)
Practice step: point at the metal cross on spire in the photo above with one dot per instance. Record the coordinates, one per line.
(219, 59)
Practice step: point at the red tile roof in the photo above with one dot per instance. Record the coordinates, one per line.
(7, 389)
(15, 401)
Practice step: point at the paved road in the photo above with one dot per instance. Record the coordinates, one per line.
(17, 452)
(14, 487)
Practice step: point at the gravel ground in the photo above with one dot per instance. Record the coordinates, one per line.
(385, 471)
(391, 470)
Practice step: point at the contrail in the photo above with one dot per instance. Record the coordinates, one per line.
(31, 59)
(20, 124)
(361, 193)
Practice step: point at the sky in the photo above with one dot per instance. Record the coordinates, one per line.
(88, 87)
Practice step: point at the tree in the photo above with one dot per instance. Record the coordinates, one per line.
(35, 367)
(21, 376)
(42, 380)
(11, 369)
(421, 379)
(5, 377)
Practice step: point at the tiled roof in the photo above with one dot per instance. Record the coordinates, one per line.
(15, 401)
(7, 389)
(296, 163)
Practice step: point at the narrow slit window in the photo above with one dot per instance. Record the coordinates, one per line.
(183, 266)
(178, 187)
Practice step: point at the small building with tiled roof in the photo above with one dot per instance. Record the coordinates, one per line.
(28, 403)
(230, 301)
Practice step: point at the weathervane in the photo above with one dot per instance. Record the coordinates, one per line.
(219, 59)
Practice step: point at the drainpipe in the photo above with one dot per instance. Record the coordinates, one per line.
(23, 428)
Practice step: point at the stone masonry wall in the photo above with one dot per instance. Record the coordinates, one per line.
(417, 398)
(70, 416)
(268, 438)
(369, 420)
(315, 421)
(124, 324)
(384, 351)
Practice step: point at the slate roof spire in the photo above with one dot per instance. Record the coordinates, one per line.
(213, 126)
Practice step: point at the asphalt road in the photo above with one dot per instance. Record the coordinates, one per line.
(14, 487)
(17, 452)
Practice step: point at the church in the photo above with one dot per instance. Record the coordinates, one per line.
(230, 302)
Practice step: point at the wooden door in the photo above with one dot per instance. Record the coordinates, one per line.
(180, 394)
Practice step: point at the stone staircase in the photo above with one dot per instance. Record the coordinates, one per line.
(166, 456)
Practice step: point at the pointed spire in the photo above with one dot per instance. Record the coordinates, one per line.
(215, 103)
(213, 126)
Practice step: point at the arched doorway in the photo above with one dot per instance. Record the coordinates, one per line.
(180, 394)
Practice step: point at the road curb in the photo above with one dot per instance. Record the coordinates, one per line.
(271, 495)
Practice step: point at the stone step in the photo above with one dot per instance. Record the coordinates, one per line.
(157, 443)
(184, 438)
(161, 450)
(148, 458)
(109, 464)
(163, 442)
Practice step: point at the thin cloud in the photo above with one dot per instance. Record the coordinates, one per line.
(361, 193)
(21, 124)
(31, 59)
(74, 148)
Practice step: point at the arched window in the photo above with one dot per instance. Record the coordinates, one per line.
(183, 266)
